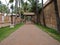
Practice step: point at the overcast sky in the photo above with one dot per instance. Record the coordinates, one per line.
(4, 2)
(7, 1)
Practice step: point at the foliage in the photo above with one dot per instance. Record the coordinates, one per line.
(15, 8)
(35, 5)
(11, 7)
(29, 5)
(11, 1)
(3, 8)
(25, 7)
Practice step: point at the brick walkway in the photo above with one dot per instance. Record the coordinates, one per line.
(29, 35)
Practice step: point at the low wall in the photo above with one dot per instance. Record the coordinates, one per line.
(6, 20)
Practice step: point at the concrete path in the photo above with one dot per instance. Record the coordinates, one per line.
(29, 35)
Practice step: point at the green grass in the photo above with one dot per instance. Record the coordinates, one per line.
(6, 31)
(52, 32)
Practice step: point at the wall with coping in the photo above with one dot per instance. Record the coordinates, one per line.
(49, 15)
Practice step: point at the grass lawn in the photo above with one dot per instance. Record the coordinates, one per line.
(53, 33)
(6, 31)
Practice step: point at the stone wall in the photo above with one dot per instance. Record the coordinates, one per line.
(18, 20)
(50, 15)
(6, 20)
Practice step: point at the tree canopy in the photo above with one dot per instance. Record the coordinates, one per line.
(29, 5)
(3, 8)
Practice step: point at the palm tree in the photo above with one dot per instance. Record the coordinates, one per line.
(36, 7)
(19, 7)
(7, 6)
(1, 6)
(37, 14)
(57, 15)
(16, 8)
(33, 5)
(11, 1)
(0, 2)
(12, 14)
(25, 6)
(43, 14)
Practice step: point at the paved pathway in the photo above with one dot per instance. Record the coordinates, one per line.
(29, 35)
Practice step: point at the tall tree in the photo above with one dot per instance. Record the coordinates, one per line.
(0, 2)
(36, 7)
(4, 8)
(33, 5)
(7, 4)
(11, 1)
(57, 15)
(43, 14)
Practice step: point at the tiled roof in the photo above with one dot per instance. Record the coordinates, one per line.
(29, 13)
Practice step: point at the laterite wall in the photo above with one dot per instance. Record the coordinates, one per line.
(50, 15)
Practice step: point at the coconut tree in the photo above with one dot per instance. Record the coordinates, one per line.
(3, 8)
(36, 7)
(7, 4)
(33, 5)
(0, 6)
(11, 1)
(57, 15)
(0, 2)
(43, 14)
(12, 14)
(16, 9)
(19, 7)
(12, 24)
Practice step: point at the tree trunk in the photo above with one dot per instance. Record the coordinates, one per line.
(57, 15)
(43, 14)
(11, 19)
(37, 15)
(16, 5)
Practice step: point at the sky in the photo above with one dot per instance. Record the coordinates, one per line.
(4, 2)
(7, 1)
